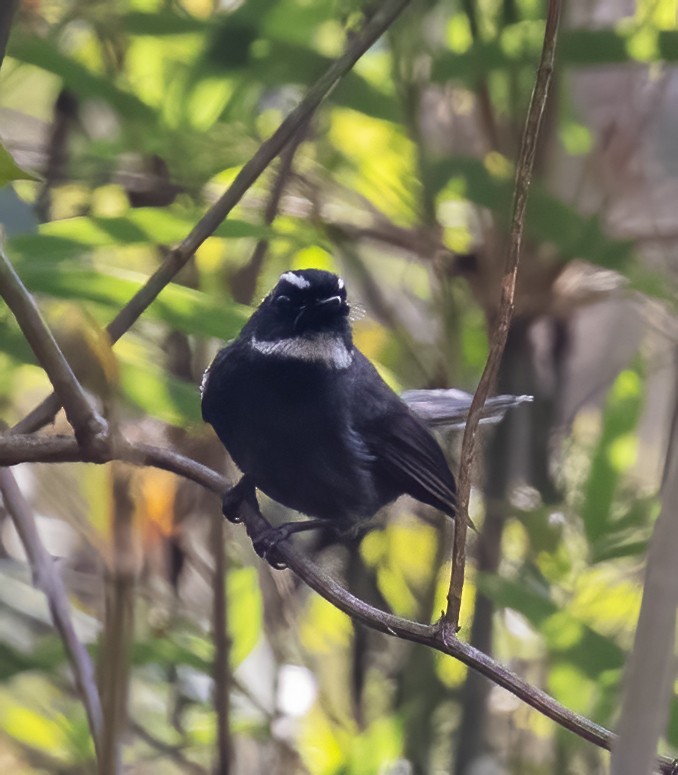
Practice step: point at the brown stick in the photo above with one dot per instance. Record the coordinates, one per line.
(83, 418)
(508, 288)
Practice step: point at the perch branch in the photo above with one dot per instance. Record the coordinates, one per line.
(523, 178)
(55, 449)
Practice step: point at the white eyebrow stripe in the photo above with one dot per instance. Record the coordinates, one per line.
(294, 279)
(340, 283)
(323, 348)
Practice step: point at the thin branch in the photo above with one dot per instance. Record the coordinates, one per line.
(45, 577)
(85, 421)
(55, 449)
(243, 282)
(267, 152)
(508, 288)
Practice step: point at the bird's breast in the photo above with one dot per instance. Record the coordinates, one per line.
(288, 426)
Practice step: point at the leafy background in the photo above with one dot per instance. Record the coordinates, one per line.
(126, 120)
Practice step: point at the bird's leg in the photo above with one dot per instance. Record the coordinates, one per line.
(266, 542)
(232, 500)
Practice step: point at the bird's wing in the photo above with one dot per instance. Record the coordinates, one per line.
(403, 448)
(410, 455)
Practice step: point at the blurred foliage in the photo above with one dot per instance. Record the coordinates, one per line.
(121, 123)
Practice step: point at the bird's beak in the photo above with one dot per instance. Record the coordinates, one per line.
(331, 300)
(323, 309)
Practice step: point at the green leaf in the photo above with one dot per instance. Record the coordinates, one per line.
(47, 657)
(167, 652)
(285, 63)
(145, 225)
(244, 611)
(10, 170)
(609, 461)
(576, 48)
(45, 54)
(594, 47)
(161, 22)
(159, 394)
(548, 218)
(183, 308)
(575, 642)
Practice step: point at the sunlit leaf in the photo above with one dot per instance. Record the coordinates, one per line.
(583, 647)
(245, 612)
(184, 308)
(164, 21)
(323, 627)
(10, 170)
(548, 218)
(610, 459)
(154, 226)
(158, 394)
(576, 48)
(44, 53)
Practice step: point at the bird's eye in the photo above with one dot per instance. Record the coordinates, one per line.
(282, 300)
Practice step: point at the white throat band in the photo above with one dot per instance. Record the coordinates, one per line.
(322, 348)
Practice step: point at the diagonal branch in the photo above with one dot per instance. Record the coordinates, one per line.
(46, 578)
(243, 282)
(55, 449)
(267, 152)
(85, 421)
(506, 305)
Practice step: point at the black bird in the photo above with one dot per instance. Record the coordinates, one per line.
(307, 418)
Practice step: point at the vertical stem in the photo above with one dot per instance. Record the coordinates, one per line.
(651, 667)
(523, 179)
(114, 667)
(222, 647)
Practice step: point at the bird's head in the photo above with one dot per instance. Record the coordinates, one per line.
(305, 317)
(305, 302)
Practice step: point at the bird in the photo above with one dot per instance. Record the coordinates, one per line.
(308, 419)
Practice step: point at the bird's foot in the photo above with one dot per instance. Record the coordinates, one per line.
(265, 546)
(233, 499)
(265, 543)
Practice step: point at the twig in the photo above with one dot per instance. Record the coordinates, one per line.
(46, 578)
(55, 449)
(86, 423)
(507, 302)
(247, 176)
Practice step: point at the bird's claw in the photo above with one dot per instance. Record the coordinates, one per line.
(265, 545)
